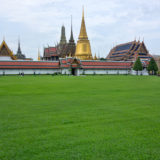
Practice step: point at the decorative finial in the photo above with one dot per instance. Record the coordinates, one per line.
(71, 20)
(83, 12)
(3, 38)
(139, 39)
(19, 42)
(71, 23)
(98, 55)
(71, 37)
(39, 55)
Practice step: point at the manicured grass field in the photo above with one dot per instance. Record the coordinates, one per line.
(79, 118)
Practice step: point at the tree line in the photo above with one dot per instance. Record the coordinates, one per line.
(152, 67)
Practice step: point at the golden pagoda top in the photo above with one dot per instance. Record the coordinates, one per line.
(83, 48)
(95, 57)
(39, 55)
(83, 32)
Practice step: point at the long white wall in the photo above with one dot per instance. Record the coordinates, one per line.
(144, 72)
(28, 71)
(103, 71)
(68, 71)
(5, 58)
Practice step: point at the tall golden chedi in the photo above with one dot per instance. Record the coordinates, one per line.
(83, 48)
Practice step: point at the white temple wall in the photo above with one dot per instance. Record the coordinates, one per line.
(65, 71)
(78, 72)
(103, 71)
(68, 71)
(28, 71)
(144, 72)
(5, 58)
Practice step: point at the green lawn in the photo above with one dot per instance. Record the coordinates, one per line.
(79, 118)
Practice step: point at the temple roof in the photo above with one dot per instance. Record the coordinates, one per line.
(122, 47)
(5, 51)
(109, 65)
(129, 51)
(28, 64)
(50, 50)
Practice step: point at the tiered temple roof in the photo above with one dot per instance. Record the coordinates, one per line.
(61, 50)
(50, 53)
(129, 52)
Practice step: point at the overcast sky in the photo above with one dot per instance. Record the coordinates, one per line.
(109, 22)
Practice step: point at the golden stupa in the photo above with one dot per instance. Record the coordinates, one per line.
(39, 55)
(95, 57)
(83, 48)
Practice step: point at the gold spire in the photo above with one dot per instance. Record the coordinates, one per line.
(83, 33)
(39, 55)
(95, 57)
(70, 55)
(83, 48)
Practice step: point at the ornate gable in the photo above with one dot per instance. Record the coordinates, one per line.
(75, 63)
(5, 51)
(142, 48)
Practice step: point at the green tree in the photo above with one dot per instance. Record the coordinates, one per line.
(103, 59)
(138, 65)
(152, 67)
